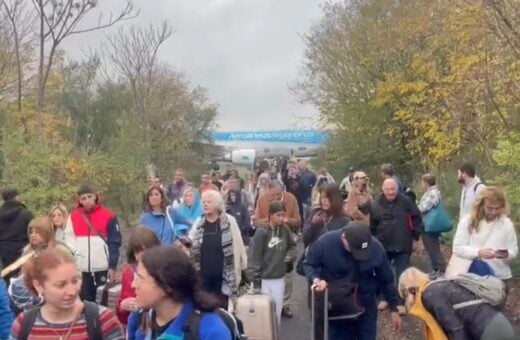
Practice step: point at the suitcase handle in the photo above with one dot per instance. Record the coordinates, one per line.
(325, 312)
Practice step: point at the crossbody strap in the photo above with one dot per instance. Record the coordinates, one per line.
(92, 229)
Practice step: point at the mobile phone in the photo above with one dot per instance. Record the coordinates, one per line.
(502, 253)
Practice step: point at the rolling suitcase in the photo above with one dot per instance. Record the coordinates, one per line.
(325, 319)
(258, 314)
(108, 295)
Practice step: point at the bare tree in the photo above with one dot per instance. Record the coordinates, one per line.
(133, 52)
(59, 19)
(20, 21)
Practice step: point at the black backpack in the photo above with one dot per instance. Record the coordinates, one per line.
(91, 316)
(192, 328)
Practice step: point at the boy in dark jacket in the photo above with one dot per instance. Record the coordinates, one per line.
(334, 256)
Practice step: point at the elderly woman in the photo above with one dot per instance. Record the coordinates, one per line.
(450, 311)
(217, 249)
(485, 242)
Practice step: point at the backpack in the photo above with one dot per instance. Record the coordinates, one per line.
(91, 316)
(192, 328)
(488, 289)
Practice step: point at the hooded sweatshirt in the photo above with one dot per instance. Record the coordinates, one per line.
(191, 214)
(163, 225)
(271, 249)
(14, 220)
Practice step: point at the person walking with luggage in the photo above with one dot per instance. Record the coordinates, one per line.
(292, 220)
(430, 200)
(161, 218)
(397, 223)
(352, 257)
(171, 304)
(14, 219)
(486, 239)
(272, 254)
(54, 275)
(450, 311)
(93, 232)
(141, 239)
(218, 250)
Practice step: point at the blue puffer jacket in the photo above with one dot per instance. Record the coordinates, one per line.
(211, 326)
(6, 315)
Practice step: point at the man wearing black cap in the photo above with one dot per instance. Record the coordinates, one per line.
(334, 256)
(94, 232)
(14, 220)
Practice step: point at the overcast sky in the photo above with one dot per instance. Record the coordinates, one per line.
(245, 52)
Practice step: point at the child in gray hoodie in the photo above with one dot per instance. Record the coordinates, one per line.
(271, 255)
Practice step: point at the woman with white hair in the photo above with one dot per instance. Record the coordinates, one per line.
(217, 249)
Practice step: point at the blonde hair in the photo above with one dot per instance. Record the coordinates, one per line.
(489, 194)
(62, 209)
(410, 280)
(43, 227)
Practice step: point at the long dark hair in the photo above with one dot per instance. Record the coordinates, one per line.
(174, 272)
(332, 192)
(164, 199)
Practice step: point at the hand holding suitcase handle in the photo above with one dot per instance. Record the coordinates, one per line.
(320, 286)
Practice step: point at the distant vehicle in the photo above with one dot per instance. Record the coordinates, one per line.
(245, 147)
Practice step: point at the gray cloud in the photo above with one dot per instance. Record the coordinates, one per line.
(245, 52)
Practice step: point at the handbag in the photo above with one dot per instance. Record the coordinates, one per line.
(438, 220)
(344, 301)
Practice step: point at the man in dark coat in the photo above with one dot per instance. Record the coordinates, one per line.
(14, 221)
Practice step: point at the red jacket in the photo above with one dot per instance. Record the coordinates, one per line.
(126, 292)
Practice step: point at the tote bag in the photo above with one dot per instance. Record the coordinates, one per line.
(438, 220)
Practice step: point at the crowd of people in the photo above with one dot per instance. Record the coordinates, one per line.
(199, 247)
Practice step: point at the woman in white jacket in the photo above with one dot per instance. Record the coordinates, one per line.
(217, 249)
(488, 234)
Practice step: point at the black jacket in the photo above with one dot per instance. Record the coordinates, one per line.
(462, 324)
(396, 224)
(14, 220)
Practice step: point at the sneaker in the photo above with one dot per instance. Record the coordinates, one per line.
(382, 305)
(401, 310)
(287, 312)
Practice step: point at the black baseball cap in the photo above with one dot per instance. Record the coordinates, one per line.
(359, 239)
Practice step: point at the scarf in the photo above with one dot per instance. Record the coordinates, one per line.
(229, 282)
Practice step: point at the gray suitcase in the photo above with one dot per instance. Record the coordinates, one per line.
(325, 314)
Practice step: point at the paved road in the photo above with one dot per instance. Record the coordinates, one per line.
(299, 327)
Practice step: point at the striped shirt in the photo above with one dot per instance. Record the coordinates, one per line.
(43, 330)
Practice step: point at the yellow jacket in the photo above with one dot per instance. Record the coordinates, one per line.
(432, 328)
